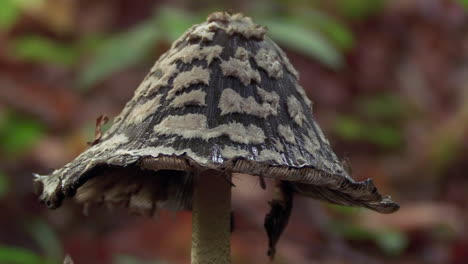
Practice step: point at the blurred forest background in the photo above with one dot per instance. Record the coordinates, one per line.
(389, 82)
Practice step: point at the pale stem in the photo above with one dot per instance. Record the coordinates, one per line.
(211, 219)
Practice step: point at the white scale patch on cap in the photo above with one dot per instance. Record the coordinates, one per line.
(286, 61)
(195, 98)
(196, 126)
(277, 144)
(240, 67)
(242, 54)
(241, 70)
(270, 155)
(310, 142)
(306, 99)
(144, 85)
(195, 76)
(163, 81)
(245, 27)
(295, 110)
(232, 102)
(168, 67)
(204, 32)
(192, 52)
(269, 61)
(320, 133)
(313, 144)
(287, 133)
(235, 24)
(94, 153)
(112, 143)
(230, 152)
(143, 110)
(150, 80)
(271, 98)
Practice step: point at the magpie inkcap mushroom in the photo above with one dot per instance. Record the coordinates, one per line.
(223, 99)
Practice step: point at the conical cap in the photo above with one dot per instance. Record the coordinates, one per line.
(224, 97)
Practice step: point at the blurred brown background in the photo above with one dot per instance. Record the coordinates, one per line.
(389, 82)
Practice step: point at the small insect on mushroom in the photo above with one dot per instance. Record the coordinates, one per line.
(224, 99)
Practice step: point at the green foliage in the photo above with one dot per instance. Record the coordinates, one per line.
(349, 128)
(445, 149)
(359, 8)
(44, 50)
(18, 134)
(351, 231)
(312, 43)
(4, 184)
(383, 106)
(381, 134)
(9, 14)
(337, 33)
(375, 122)
(173, 22)
(447, 140)
(343, 210)
(391, 242)
(464, 3)
(14, 255)
(119, 52)
(444, 232)
(385, 136)
(129, 48)
(46, 238)
(124, 259)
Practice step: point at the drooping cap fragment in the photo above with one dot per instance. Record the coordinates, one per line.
(224, 97)
(278, 217)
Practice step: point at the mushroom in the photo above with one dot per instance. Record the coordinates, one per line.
(224, 99)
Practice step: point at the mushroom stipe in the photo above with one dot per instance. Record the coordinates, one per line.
(223, 99)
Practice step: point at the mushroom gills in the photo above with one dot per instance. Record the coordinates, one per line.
(142, 191)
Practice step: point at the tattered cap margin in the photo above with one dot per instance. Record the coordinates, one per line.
(306, 180)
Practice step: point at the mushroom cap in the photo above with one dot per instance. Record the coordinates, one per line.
(224, 97)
